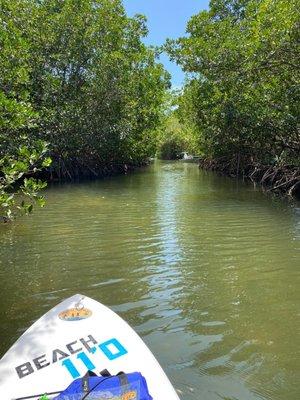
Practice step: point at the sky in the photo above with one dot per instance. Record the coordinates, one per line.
(166, 19)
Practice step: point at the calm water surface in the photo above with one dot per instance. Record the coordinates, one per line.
(204, 268)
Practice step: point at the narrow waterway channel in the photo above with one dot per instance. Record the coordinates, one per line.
(205, 268)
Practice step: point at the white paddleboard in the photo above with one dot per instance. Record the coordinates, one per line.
(77, 335)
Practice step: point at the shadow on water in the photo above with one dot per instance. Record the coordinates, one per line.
(205, 268)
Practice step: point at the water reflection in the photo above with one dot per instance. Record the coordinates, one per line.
(205, 268)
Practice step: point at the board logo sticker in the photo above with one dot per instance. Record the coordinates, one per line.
(75, 314)
(73, 354)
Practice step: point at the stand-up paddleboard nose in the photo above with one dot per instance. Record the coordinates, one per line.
(77, 335)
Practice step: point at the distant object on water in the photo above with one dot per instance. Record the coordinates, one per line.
(186, 157)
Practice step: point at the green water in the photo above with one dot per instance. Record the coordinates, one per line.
(203, 267)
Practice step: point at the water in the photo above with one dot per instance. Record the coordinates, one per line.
(203, 267)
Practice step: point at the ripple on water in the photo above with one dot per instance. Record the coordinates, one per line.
(204, 268)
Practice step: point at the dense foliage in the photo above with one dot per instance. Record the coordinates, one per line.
(21, 155)
(175, 137)
(19, 191)
(244, 88)
(172, 142)
(76, 75)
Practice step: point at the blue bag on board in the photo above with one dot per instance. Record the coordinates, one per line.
(132, 386)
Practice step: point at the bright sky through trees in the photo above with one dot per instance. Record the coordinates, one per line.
(166, 19)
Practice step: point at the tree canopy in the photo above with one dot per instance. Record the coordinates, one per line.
(76, 75)
(242, 95)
